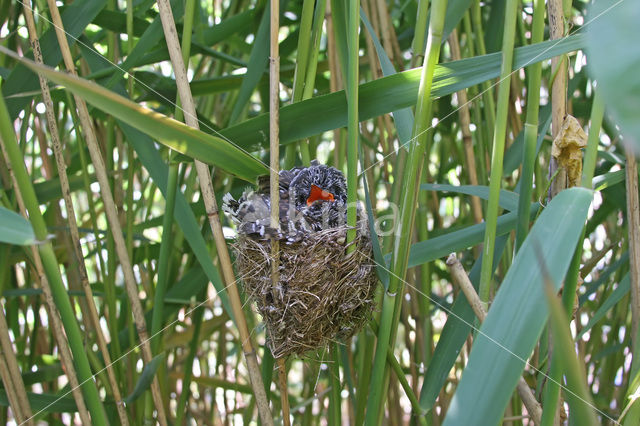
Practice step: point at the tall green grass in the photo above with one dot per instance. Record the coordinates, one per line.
(394, 75)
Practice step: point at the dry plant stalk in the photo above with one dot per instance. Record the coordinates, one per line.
(282, 379)
(323, 294)
(274, 179)
(211, 207)
(465, 127)
(110, 210)
(633, 219)
(558, 91)
(461, 278)
(50, 306)
(71, 218)
(11, 377)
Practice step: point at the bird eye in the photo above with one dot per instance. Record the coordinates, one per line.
(319, 194)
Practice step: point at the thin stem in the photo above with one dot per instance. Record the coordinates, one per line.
(591, 153)
(274, 181)
(633, 225)
(413, 170)
(50, 266)
(211, 207)
(71, 219)
(110, 209)
(196, 319)
(487, 88)
(164, 263)
(335, 399)
(13, 383)
(282, 379)
(353, 132)
(417, 45)
(499, 136)
(530, 128)
(465, 127)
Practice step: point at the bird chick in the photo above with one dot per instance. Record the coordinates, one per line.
(311, 199)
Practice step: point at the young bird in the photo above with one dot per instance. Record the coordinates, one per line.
(311, 199)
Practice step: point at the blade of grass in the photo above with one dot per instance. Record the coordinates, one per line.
(613, 59)
(518, 313)
(620, 291)
(400, 254)
(499, 136)
(388, 94)
(53, 276)
(15, 229)
(172, 133)
(255, 68)
(530, 128)
(508, 200)
(209, 198)
(576, 390)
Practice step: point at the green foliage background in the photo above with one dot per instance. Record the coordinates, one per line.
(424, 358)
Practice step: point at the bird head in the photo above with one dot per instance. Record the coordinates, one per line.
(318, 184)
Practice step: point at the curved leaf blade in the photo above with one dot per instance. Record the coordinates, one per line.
(614, 59)
(508, 200)
(443, 245)
(148, 373)
(45, 402)
(171, 133)
(518, 313)
(395, 92)
(15, 229)
(621, 290)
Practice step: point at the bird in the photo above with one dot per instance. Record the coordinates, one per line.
(312, 199)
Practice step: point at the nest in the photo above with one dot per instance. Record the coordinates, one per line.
(323, 294)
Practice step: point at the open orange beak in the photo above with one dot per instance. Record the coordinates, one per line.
(318, 193)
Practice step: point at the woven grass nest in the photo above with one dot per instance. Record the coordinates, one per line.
(325, 290)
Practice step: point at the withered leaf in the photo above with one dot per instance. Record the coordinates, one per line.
(567, 149)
